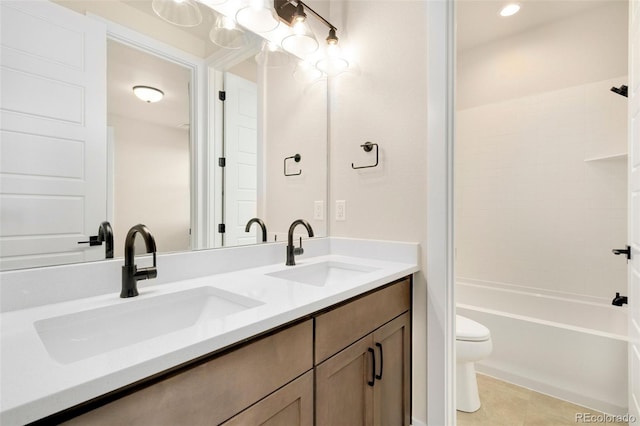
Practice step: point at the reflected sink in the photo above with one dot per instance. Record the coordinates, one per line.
(324, 273)
(72, 337)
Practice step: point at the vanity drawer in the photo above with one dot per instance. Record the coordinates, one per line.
(338, 328)
(213, 392)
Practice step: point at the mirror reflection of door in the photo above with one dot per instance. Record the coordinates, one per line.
(151, 147)
(235, 187)
(240, 151)
(53, 144)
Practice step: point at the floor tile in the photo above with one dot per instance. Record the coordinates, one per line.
(510, 405)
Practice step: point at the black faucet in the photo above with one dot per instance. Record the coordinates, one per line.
(261, 224)
(130, 273)
(105, 233)
(291, 250)
(619, 300)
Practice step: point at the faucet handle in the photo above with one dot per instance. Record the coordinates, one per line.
(146, 273)
(298, 250)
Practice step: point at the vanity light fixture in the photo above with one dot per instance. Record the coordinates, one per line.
(303, 45)
(333, 63)
(510, 9)
(272, 56)
(259, 16)
(225, 33)
(306, 73)
(302, 41)
(184, 13)
(148, 94)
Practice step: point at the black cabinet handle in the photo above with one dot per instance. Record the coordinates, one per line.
(373, 367)
(379, 345)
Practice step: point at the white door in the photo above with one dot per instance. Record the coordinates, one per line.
(634, 208)
(240, 139)
(52, 134)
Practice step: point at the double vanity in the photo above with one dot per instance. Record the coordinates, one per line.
(241, 342)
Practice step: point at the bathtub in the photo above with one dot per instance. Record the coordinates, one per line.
(575, 350)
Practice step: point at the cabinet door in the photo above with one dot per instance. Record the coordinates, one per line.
(215, 391)
(339, 327)
(291, 405)
(343, 393)
(392, 344)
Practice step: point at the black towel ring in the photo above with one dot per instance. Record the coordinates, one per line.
(296, 158)
(367, 147)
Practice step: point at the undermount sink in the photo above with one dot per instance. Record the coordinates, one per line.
(324, 273)
(72, 337)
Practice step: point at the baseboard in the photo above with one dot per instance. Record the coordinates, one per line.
(556, 392)
(415, 422)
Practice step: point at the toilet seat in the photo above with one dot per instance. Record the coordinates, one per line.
(468, 330)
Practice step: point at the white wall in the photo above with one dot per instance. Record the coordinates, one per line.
(148, 157)
(530, 211)
(383, 101)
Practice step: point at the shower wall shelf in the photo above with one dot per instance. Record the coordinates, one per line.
(620, 156)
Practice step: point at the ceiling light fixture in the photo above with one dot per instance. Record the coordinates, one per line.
(184, 13)
(148, 94)
(510, 9)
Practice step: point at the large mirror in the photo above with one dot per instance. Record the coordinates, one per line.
(239, 133)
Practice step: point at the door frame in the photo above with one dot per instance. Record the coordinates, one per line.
(198, 170)
(439, 244)
(440, 181)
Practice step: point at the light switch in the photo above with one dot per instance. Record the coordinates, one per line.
(341, 210)
(318, 210)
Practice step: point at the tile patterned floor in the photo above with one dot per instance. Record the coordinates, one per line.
(504, 404)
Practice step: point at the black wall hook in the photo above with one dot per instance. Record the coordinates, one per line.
(296, 158)
(367, 147)
(622, 90)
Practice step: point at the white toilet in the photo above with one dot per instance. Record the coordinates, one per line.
(473, 343)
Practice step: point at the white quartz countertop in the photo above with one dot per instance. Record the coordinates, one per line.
(35, 385)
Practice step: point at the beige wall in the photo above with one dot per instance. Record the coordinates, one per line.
(295, 123)
(383, 100)
(147, 24)
(530, 211)
(588, 47)
(151, 182)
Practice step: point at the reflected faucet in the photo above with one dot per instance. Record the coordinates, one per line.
(105, 233)
(291, 250)
(261, 224)
(130, 273)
